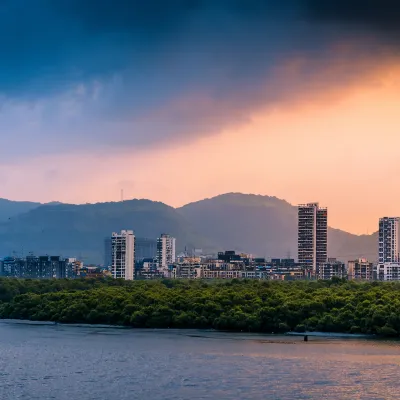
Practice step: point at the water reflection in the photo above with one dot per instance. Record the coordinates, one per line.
(58, 362)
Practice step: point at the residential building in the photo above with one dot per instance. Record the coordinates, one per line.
(184, 271)
(284, 262)
(387, 271)
(147, 268)
(287, 273)
(123, 255)
(77, 266)
(360, 269)
(331, 268)
(43, 267)
(389, 240)
(220, 274)
(166, 251)
(229, 256)
(91, 271)
(312, 235)
(13, 267)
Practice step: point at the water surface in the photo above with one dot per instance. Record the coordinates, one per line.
(67, 363)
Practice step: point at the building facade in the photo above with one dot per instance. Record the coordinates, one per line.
(166, 250)
(387, 272)
(123, 255)
(360, 269)
(147, 268)
(332, 268)
(32, 267)
(389, 240)
(312, 235)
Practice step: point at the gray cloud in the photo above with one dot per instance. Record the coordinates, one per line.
(92, 73)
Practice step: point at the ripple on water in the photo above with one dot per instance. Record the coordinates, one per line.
(46, 362)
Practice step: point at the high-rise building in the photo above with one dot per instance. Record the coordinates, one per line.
(166, 253)
(123, 255)
(312, 235)
(389, 240)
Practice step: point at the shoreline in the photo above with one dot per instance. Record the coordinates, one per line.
(322, 335)
(334, 335)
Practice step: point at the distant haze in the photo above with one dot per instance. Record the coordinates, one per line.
(261, 225)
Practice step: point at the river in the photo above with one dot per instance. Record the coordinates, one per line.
(67, 363)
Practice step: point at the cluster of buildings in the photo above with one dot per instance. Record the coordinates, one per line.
(42, 267)
(122, 261)
(130, 258)
(313, 261)
(312, 249)
(121, 253)
(229, 265)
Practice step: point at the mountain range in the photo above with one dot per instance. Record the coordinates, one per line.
(261, 225)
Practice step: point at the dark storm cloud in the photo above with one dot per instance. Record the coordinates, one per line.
(67, 40)
(383, 15)
(132, 72)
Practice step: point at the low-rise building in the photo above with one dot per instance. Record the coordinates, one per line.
(387, 272)
(360, 269)
(91, 271)
(185, 271)
(148, 268)
(43, 267)
(220, 274)
(330, 269)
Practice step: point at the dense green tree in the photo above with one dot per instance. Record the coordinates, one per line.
(236, 305)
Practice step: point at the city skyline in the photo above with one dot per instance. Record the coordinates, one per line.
(313, 262)
(218, 96)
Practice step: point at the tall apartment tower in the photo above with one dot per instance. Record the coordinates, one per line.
(123, 255)
(389, 240)
(312, 235)
(166, 253)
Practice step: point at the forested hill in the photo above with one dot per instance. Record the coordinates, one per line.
(261, 225)
(9, 209)
(79, 230)
(266, 226)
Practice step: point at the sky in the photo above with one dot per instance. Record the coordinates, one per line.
(182, 100)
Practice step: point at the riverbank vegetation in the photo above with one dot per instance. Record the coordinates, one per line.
(236, 305)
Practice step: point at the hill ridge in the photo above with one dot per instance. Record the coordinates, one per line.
(258, 224)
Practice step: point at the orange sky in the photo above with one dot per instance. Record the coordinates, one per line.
(338, 147)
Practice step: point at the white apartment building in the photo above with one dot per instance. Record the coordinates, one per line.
(387, 272)
(123, 255)
(389, 240)
(166, 250)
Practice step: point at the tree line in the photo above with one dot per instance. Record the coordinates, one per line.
(236, 305)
